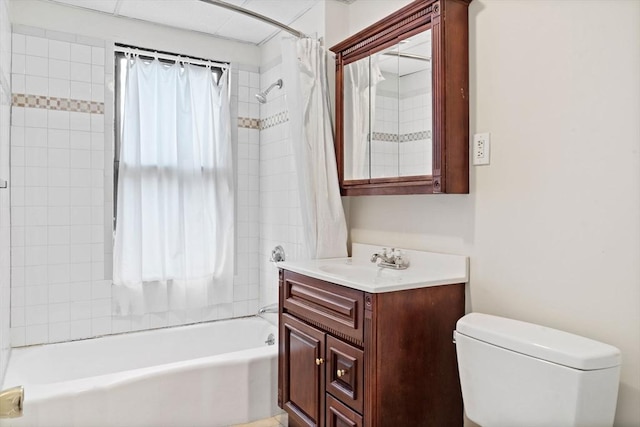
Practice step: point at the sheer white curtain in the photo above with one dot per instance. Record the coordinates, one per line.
(175, 208)
(304, 75)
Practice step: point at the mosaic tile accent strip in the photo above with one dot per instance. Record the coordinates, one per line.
(384, 136)
(246, 122)
(53, 103)
(275, 120)
(392, 137)
(415, 136)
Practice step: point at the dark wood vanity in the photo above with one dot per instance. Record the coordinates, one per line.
(416, 62)
(354, 358)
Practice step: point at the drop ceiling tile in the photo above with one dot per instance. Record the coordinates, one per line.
(100, 5)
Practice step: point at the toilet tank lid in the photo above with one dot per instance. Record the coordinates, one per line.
(539, 341)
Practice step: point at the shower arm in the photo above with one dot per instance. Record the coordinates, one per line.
(255, 15)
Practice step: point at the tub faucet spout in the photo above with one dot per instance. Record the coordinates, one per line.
(11, 401)
(271, 308)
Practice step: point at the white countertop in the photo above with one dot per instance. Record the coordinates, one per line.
(358, 272)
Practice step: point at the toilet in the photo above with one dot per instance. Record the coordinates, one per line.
(515, 373)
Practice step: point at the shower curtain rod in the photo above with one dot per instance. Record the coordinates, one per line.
(168, 56)
(408, 55)
(256, 16)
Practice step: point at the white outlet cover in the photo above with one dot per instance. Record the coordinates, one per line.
(481, 148)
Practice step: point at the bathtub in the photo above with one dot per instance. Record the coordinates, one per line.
(212, 374)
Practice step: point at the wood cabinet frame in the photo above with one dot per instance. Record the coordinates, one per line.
(448, 21)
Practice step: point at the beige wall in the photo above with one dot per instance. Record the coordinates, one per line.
(552, 226)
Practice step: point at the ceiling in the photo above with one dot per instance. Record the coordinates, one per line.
(202, 17)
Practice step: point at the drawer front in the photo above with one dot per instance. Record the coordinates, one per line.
(345, 372)
(339, 415)
(338, 309)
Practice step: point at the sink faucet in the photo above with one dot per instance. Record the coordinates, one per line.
(390, 258)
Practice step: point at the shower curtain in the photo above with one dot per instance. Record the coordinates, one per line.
(363, 77)
(175, 208)
(324, 224)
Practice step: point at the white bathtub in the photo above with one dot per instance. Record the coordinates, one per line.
(212, 374)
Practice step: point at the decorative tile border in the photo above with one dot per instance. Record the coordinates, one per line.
(275, 120)
(415, 136)
(392, 137)
(246, 122)
(53, 103)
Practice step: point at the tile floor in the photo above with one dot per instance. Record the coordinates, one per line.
(277, 421)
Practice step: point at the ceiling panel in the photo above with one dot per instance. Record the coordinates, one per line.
(108, 6)
(198, 16)
(188, 14)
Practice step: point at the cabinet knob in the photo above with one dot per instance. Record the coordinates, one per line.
(319, 361)
(341, 373)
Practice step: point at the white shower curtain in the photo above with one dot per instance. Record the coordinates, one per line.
(175, 208)
(325, 229)
(363, 77)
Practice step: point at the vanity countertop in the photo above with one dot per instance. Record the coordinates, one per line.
(358, 272)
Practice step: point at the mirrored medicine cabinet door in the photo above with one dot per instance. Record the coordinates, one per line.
(393, 96)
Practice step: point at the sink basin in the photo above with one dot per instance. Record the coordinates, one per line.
(347, 270)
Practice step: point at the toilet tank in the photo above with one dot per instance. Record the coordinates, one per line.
(515, 373)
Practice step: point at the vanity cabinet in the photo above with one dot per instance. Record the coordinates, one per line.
(359, 359)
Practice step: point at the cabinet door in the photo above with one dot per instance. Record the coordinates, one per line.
(303, 388)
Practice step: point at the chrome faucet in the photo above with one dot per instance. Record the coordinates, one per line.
(390, 258)
(271, 308)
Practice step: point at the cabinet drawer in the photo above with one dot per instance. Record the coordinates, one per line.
(339, 415)
(345, 371)
(335, 308)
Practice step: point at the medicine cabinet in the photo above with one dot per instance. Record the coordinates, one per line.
(402, 103)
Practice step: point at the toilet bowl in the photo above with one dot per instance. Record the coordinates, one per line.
(514, 373)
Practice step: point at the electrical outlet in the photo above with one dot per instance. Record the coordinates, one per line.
(481, 148)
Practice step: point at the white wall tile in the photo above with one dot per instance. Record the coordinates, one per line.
(18, 63)
(36, 85)
(59, 69)
(59, 50)
(59, 332)
(80, 121)
(60, 88)
(58, 120)
(36, 66)
(37, 46)
(81, 53)
(36, 334)
(36, 118)
(79, 72)
(79, 90)
(58, 138)
(59, 234)
(18, 83)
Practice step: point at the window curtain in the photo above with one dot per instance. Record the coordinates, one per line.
(304, 75)
(174, 232)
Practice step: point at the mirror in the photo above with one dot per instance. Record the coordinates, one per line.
(392, 99)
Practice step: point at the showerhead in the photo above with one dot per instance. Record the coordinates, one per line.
(262, 96)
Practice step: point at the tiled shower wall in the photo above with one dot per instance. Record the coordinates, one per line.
(5, 248)
(280, 218)
(59, 207)
(61, 202)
